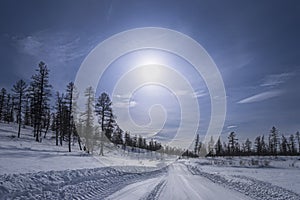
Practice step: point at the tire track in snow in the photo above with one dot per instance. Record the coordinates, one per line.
(70, 184)
(154, 194)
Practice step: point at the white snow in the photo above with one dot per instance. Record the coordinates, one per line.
(181, 184)
(281, 171)
(22, 155)
(137, 190)
(32, 170)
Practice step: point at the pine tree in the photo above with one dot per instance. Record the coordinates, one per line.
(127, 141)
(75, 117)
(140, 142)
(27, 115)
(292, 149)
(273, 141)
(298, 139)
(8, 109)
(117, 136)
(76, 135)
(196, 144)
(258, 146)
(40, 93)
(12, 109)
(211, 145)
(88, 120)
(2, 102)
(264, 148)
(69, 112)
(19, 89)
(59, 118)
(283, 145)
(104, 112)
(199, 148)
(237, 149)
(110, 127)
(134, 141)
(232, 143)
(248, 146)
(219, 147)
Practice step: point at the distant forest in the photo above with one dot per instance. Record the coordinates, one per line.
(28, 104)
(274, 145)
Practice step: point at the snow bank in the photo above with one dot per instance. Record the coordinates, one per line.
(95, 183)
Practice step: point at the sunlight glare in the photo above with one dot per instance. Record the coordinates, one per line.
(151, 72)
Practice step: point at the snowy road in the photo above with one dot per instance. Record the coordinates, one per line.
(181, 184)
(140, 190)
(178, 183)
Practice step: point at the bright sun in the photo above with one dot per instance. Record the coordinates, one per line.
(151, 72)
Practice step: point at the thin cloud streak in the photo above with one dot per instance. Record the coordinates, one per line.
(231, 127)
(61, 47)
(261, 96)
(276, 79)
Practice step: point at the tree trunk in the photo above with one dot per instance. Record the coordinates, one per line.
(70, 141)
(79, 143)
(56, 136)
(101, 144)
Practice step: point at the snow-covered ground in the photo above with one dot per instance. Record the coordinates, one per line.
(22, 155)
(281, 171)
(31, 170)
(252, 187)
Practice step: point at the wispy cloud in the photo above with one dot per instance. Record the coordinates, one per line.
(59, 46)
(196, 94)
(200, 93)
(261, 96)
(62, 51)
(276, 79)
(231, 126)
(123, 101)
(121, 104)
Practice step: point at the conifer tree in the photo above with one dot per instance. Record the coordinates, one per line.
(105, 117)
(19, 90)
(283, 145)
(87, 120)
(69, 112)
(40, 94)
(273, 141)
(2, 102)
(196, 144)
(232, 143)
(218, 147)
(298, 139)
(292, 148)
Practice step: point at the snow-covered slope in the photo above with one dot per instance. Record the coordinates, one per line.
(21, 155)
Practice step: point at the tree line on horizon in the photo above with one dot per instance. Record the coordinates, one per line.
(274, 145)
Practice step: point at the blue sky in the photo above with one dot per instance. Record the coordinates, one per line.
(255, 45)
